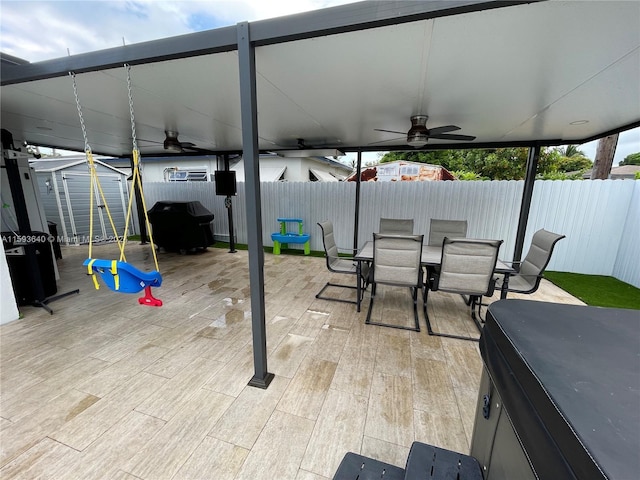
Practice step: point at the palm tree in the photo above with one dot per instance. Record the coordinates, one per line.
(571, 151)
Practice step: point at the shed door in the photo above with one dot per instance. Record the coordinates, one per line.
(76, 188)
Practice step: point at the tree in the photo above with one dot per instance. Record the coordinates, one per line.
(572, 160)
(485, 164)
(574, 164)
(604, 157)
(471, 161)
(571, 151)
(631, 159)
(437, 157)
(465, 175)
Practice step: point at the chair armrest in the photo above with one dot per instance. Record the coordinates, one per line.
(511, 263)
(515, 265)
(342, 256)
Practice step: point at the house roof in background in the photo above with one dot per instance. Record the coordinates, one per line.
(332, 163)
(625, 171)
(508, 73)
(61, 163)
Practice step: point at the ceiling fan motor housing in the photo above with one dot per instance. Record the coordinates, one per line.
(418, 134)
(171, 142)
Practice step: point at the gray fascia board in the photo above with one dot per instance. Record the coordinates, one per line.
(8, 60)
(606, 134)
(182, 46)
(344, 18)
(362, 16)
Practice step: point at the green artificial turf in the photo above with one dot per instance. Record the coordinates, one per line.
(597, 290)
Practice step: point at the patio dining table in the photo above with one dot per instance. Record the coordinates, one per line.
(431, 257)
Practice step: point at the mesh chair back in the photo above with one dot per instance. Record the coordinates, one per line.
(397, 226)
(446, 228)
(396, 259)
(329, 242)
(467, 266)
(538, 256)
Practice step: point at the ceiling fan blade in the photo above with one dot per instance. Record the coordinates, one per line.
(195, 149)
(444, 129)
(182, 144)
(389, 131)
(446, 136)
(388, 140)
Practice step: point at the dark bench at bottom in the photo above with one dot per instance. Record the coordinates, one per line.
(354, 466)
(424, 462)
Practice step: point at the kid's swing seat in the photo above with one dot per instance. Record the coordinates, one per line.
(119, 275)
(125, 278)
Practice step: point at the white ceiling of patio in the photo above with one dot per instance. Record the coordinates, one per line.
(556, 72)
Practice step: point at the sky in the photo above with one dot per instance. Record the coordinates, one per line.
(42, 30)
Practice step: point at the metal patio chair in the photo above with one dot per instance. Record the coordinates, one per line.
(396, 262)
(339, 264)
(530, 271)
(467, 268)
(397, 226)
(439, 229)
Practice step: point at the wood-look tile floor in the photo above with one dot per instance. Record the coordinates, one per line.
(107, 389)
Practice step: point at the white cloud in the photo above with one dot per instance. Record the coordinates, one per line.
(42, 30)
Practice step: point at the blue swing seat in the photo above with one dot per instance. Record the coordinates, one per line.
(130, 279)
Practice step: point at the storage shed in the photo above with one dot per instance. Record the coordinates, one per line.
(64, 185)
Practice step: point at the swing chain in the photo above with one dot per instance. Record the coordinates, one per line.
(137, 169)
(87, 148)
(133, 122)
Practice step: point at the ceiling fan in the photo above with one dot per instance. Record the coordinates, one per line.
(172, 144)
(305, 144)
(302, 149)
(418, 135)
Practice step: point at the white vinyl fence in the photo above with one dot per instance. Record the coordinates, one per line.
(601, 218)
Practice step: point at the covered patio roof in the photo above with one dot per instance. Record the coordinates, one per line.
(507, 73)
